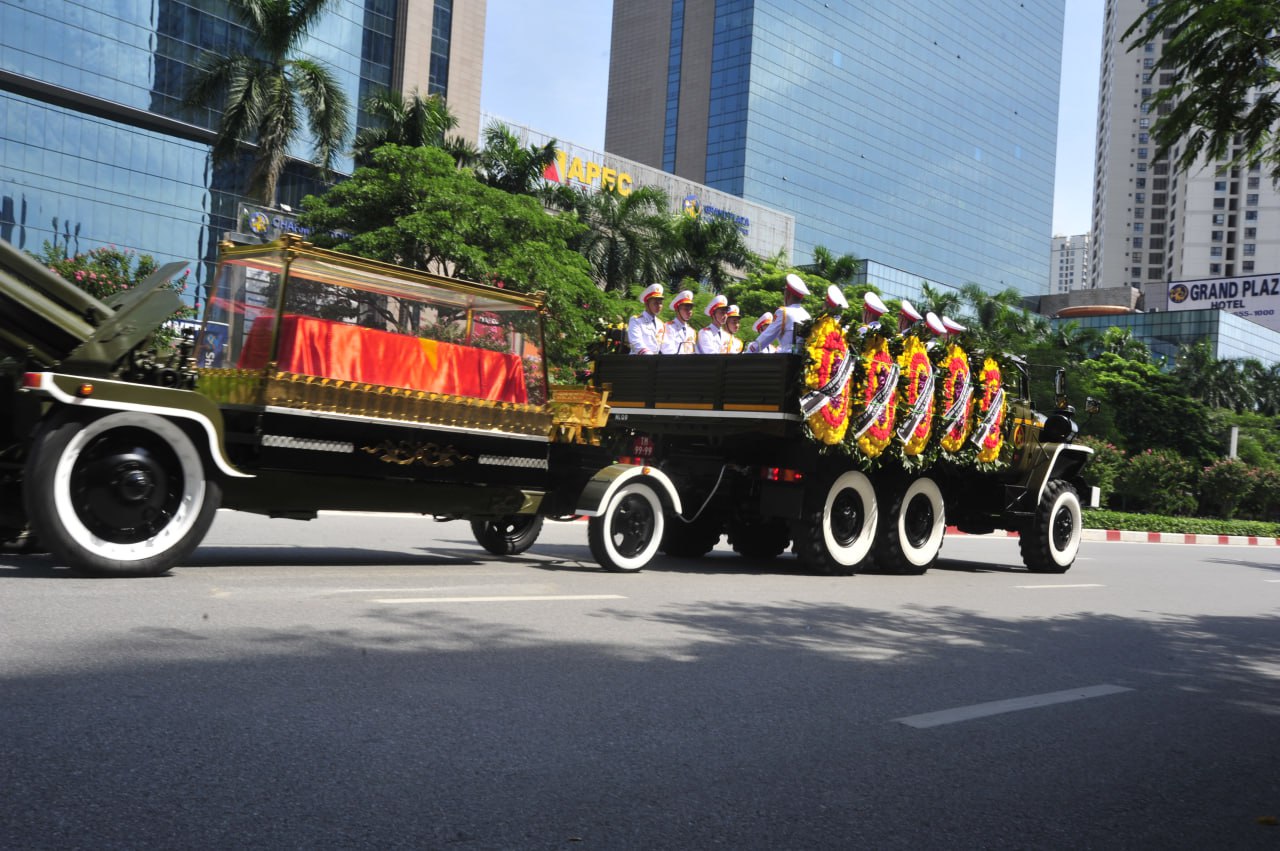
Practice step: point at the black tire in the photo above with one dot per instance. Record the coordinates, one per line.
(625, 537)
(692, 540)
(836, 533)
(509, 535)
(759, 539)
(1049, 543)
(121, 495)
(912, 529)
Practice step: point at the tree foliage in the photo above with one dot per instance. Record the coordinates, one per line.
(707, 249)
(270, 95)
(1222, 98)
(414, 121)
(625, 236)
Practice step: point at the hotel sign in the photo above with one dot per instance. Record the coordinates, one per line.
(1252, 297)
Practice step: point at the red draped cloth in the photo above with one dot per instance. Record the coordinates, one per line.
(330, 349)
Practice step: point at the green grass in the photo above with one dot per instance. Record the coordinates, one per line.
(1103, 519)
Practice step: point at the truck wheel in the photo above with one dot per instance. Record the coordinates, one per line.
(1051, 540)
(759, 539)
(691, 540)
(911, 535)
(122, 495)
(835, 535)
(626, 536)
(509, 535)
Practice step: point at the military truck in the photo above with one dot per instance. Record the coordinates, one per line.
(317, 381)
(744, 441)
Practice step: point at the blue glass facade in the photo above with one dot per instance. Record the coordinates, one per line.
(96, 147)
(919, 134)
(673, 86)
(1230, 336)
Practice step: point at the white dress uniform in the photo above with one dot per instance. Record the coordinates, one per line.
(781, 330)
(714, 340)
(645, 333)
(678, 339)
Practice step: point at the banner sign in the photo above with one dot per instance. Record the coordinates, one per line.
(1252, 297)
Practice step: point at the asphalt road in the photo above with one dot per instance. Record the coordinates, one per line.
(363, 682)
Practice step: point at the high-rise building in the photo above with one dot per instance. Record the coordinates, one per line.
(1069, 263)
(96, 146)
(918, 134)
(1152, 224)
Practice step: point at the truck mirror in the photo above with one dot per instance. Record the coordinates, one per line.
(1092, 405)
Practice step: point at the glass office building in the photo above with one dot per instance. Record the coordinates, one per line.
(96, 147)
(920, 134)
(1229, 336)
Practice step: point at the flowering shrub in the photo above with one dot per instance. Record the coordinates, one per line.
(104, 272)
(1104, 467)
(1160, 481)
(1224, 485)
(1263, 499)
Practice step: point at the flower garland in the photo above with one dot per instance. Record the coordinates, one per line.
(916, 369)
(990, 384)
(878, 367)
(955, 377)
(827, 349)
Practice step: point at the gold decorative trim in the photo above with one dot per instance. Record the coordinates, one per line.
(578, 411)
(270, 387)
(426, 454)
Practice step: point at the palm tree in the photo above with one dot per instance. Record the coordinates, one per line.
(505, 165)
(999, 321)
(268, 96)
(1075, 343)
(414, 121)
(1122, 342)
(705, 248)
(838, 270)
(627, 233)
(943, 303)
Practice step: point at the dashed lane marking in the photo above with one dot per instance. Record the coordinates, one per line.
(998, 707)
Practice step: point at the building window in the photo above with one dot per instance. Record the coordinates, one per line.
(1219, 203)
(1251, 200)
(1246, 266)
(1144, 123)
(1249, 249)
(1250, 215)
(1155, 273)
(1140, 183)
(1139, 197)
(1137, 227)
(1216, 236)
(1139, 213)
(1219, 218)
(1215, 251)
(1142, 168)
(1137, 242)
(1250, 233)
(1148, 63)
(1253, 183)
(1215, 268)
(1219, 186)
(1135, 271)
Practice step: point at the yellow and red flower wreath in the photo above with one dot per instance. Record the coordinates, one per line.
(915, 367)
(827, 348)
(955, 374)
(877, 365)
(989, 386)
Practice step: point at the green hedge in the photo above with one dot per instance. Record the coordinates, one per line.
(1101, 519)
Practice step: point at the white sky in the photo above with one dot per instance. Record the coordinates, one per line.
(546, 66)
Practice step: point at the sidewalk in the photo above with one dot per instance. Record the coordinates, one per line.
(1152, 537)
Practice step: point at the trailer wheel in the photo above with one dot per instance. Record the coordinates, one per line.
(509, 535)
(694, 539)
(915, 523)
(121, 495)
(626, 536)
(759, 539)
(1049, 543)
(835, 535)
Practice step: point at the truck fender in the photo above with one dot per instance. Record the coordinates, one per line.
(1064, 462)
(54, 386)
(604, 484)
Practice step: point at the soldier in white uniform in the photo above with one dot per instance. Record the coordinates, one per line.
(714, 339)
(762, 323)
(645, 331)
(679, 335)
(731, 323)
(785, 318)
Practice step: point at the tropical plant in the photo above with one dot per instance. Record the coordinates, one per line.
(1120, 341)
(1223, 58)
(270, 96)
(625, 236)
(940, 302)
(410, 120)
(999, 322)
(1158, 480)
(840, 270)
(1217, 383)
(507, 165)
(707, 249)
(1223, 486)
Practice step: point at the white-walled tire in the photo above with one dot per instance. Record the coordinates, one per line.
(914, 524)
(835, 535)
(626, 535)
(1050, 542)
(120, 495)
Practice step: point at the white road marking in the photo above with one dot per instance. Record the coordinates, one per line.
(1088, 585)
(1271, 580)
(521, 599)
(997, 707)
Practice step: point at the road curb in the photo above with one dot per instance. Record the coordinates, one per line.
(1149, 537)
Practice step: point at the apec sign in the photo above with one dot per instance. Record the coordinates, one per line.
(1253, 297)
(587, 173)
